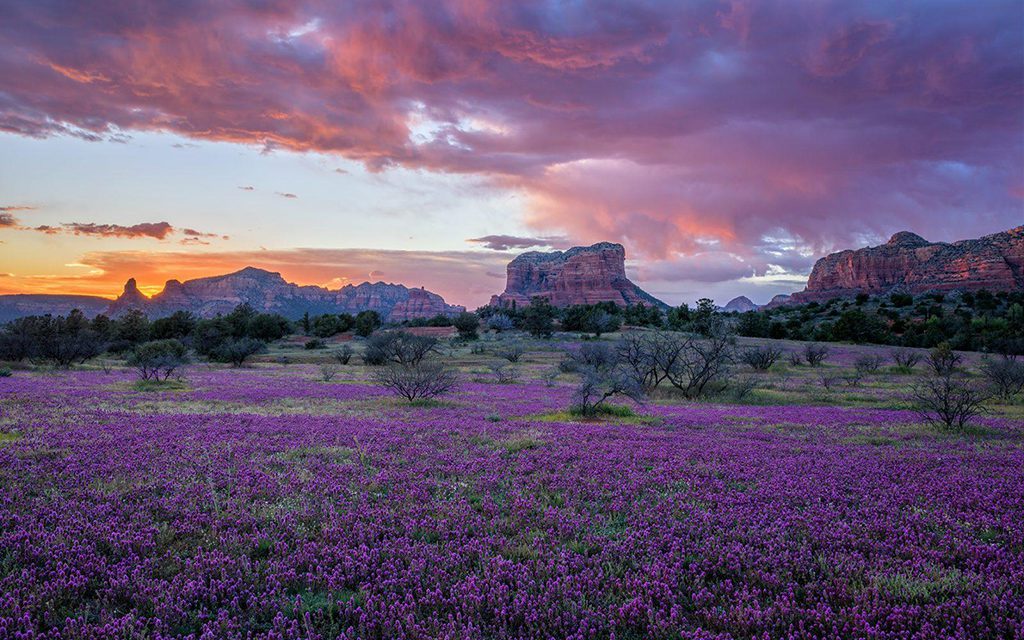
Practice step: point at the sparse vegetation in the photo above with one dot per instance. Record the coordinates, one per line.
(761, 358)
(420, 381)
(815, 354)
(159, 359)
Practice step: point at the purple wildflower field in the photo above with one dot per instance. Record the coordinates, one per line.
(263, 503)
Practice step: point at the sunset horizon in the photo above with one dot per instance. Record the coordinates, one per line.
(727, 146)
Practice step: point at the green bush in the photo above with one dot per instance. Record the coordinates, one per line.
(157, 360)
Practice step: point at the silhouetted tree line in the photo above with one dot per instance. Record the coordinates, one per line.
(72, 339)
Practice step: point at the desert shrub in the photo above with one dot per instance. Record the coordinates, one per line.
(597, 386)
(761, 358)
(595, 355)
(5, 372)
(740, 388)
(867, 363)
(905, 359)
(366, 322)
(399, 347)
(828, 380)
(416, 382)
(942, 360)
(901, 299)
(504, 373)
(511, 350)
(467, 324)
(328, 371)
(158, 359)
(313, 344)
(795, 359)
(500, 322)
(815, 354)
(949, 401)
(237, 350)
(1005, 375)
(604, 409)
(549, 376)
(344, 354)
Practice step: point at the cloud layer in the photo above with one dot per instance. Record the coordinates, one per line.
(751, 134)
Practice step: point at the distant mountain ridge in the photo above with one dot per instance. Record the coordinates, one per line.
(580, 275)
(908, 262)
(265, 291)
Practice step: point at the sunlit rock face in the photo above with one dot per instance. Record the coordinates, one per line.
(266, 291)
(908, 262)
(581, 275)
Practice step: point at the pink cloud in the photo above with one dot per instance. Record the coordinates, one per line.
(680, 129)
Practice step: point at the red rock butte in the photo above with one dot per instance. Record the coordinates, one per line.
(909, 263)
(581, 275)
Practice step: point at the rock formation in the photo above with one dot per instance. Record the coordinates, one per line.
(581, 275)
(908, 262)
(740, 304)
(130, 298)
(269, 292)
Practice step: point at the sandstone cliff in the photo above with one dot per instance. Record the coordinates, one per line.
(269, 292)
(908, 262)
(581, 275)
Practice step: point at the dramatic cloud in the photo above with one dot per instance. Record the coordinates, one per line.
(680, 129)
(7, 220)
(156, 230)
(504, 243)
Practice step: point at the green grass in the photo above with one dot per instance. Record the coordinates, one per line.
(611, 410)
(7, 437)
(608, 413)
(160, 385)
(940, 584)
(521, 443)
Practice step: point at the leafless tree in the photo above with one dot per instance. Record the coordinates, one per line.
(815, 354)
(943, 361)
(511, 350)
(702, 362)
(949, 401)
(344, 354)
(598, 385)
(504, 373)
(761, 358)
(868, 363)
(399, 347)
(1005, 375)
(422, 380)
(905, 358)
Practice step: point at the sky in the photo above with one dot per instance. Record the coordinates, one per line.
(727, 145)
